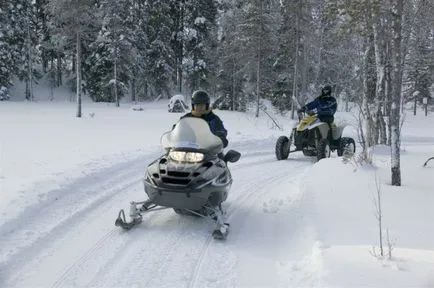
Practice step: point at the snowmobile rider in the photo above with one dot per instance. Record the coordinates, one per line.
(325, 105)
(200, 107)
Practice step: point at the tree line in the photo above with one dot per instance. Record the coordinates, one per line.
(379, 54)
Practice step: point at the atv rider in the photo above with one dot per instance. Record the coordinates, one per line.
(325, 105)
(200, 107)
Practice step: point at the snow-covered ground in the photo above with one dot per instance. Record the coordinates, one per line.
(294, 223)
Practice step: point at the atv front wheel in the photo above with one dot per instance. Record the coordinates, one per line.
(346, 145)
(282, 148)
(323, 149)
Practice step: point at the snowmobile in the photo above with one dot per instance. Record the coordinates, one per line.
(192, 177)
(311, 136)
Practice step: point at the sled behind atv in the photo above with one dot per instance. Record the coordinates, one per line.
(311, 136)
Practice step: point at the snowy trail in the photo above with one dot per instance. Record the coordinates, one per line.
(166, 249)
(270, 225)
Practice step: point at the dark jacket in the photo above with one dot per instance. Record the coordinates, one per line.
(325, 106)
(215, 125)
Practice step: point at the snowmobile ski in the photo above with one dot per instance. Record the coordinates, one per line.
(222, 232)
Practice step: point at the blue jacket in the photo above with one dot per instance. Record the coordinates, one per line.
(324, 105)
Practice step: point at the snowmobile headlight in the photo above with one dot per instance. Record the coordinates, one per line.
(181, 156)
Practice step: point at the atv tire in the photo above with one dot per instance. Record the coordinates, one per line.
(282, 148)
(323, 149)
(344, 146)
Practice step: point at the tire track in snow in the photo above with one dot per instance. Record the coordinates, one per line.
(60, 281)
(245, 198)
(63, 208)
(169, 244)
(115, 236)
(88, 256)
(21, 257)
(227, 264)
(125, 170)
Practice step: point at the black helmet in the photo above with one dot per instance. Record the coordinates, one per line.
(200, 97)
(326, 90)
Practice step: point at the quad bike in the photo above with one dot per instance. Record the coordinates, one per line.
(192, 177)
(311, 136)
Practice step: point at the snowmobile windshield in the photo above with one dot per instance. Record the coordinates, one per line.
(192, 133)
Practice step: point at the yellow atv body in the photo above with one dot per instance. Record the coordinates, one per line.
(314, 138)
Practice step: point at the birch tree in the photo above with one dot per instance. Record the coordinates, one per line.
(380, 44)
(397, 10)
(74, 17)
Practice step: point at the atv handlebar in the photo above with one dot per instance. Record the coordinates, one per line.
(301, 112)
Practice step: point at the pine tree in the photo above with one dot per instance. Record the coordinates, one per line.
(108, 65)
(257, 29)
(75, 21)
(200, 43)
(230, 75)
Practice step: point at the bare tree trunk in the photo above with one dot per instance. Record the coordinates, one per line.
(367, 117)
(133, 73)
(180, 44)
(405, 34)
(322, 27)
(59, 70)
(383, 128)
(294, 81)
(379, 45)
(133, 87)
(78, 65)
(52, 78)
(388, 90)
(116, 81)
(258, 70)
(304, 73)
(233, 85)
(30, 65)
(258, 84)
(397, 9)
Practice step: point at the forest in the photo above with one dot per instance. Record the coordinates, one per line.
(378, 54)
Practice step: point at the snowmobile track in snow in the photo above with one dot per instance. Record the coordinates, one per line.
(115, 179)
(49, 217)
(170, 244)
(81, 263)
(246, 198)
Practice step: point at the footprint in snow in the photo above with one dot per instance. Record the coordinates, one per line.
(272, 206)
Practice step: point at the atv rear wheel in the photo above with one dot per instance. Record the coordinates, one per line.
(323, 149)
(282, 148)
(346, 145)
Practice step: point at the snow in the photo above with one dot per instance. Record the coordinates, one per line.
(294, 223)
(199, 20)
(176, 97)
